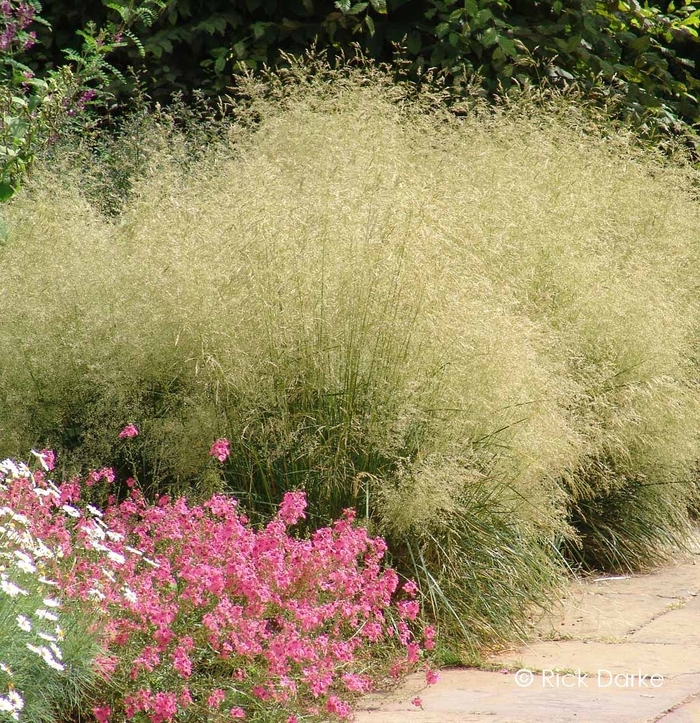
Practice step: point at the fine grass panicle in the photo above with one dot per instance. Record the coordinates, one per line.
(478, 330)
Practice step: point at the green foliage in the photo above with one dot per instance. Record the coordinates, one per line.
(46, 651)
(643, 55)
(465, 326)
(34, 110)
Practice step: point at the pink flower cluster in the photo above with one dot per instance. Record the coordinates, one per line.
(201, 614)
(129, 431)
(14, 18)
(221, 449)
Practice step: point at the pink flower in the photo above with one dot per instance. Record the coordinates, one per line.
(220, 449)
(216, 698)
(292, 507)
(410, 588)
(102, 713)
(182, 662)
(431, 677)
(105, 665)
(417, 702)
(337, 706)
(429, 637)
(409, 609)
(237, 713)
(129, 431)
(359, 683)
(164, 707)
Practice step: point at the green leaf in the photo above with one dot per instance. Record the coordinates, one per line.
(442, 29)
(693, 19)
(414, 43)
(259, 29)
(507, 46)
(379, 6)
(6, 192)
(483, 17)
(124, 12)
(370, 25)
(471, 8)
(490, 37)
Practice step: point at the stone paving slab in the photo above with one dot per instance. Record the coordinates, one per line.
(651, 658)
(688, 713)
(474, 696)
(680, 626)
(678, 581)
(585, 614)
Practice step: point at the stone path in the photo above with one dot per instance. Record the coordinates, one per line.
(619, 650)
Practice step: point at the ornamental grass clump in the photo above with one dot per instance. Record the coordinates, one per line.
(479, 329)
(202, 617)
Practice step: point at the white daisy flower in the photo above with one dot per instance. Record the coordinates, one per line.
(46, 615)
(46, 654)
(95, 532)
(8, 465)
(116, 557)
(16, 699)
(129, 594)
(24, 563)
(9, 588)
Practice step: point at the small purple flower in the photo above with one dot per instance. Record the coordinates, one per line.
(25, 15)
(30, 40)
(87, 96)
(7, 36)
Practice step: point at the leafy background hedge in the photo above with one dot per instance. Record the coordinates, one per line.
(642, 54)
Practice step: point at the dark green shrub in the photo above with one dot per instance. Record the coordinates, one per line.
(642, 55)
